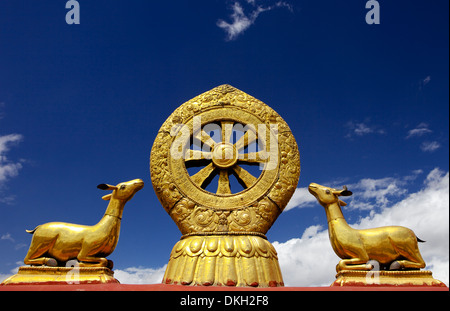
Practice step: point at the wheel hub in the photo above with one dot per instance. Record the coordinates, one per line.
(224, 155)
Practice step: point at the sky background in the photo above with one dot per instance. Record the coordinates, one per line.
(368, 105)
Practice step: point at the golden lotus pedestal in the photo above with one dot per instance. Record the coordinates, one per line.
(224, 260)
(410, 278)
(43, 275)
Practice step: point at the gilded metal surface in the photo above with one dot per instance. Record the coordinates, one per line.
(264, 197)
(391, 247)
(243, 260)
(58, 242)
(184, 141)
(38, 275)
(386, 278)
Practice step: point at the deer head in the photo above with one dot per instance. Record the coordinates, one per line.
(123, 191)
(327, 196)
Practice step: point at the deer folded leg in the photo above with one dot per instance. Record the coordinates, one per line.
(353, 264)
(406, 264)
(412, 259)
(92, 261)
(41, 261)
(35, 255)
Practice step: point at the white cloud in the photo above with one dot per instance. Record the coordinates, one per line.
(310, 260)
(420, 130)
(241, 21)
(362, 128)
(368, 193)
(8, 168)
(430, 146)
(375, 192)
(4, 276)
(7, 237)
(140, 275)
(20, 245)
(426, 80)
(301, 198)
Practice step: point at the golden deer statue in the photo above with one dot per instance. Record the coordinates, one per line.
(59, 242)
(394, 247)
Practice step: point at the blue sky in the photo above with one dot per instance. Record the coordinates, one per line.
(81, 105)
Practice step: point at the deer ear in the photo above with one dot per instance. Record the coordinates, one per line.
(107, 197)
(342, 203)
(106, 187)
(346, 193)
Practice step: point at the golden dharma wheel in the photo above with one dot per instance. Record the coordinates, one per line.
(224, 166)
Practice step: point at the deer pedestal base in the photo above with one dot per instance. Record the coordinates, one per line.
(386, 278)
(43, 275)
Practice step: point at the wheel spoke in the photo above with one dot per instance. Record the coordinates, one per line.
(244, 177)
(200, 178)
(224, 183)
(191, 155)
(254, 157)
(205, 139)
(212, 164)
(245, 140)
(227, 130)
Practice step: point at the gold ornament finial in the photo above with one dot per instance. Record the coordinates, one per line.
(202, 169)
